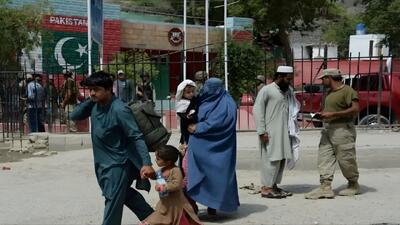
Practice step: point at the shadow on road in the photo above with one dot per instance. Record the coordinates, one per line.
(364, 189)
(305, 188)
(244, 211)
(299, 188)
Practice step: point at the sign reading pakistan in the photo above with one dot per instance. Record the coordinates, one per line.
(67, 51)
(66, 20)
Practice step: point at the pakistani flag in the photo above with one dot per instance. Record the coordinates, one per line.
(66, 50)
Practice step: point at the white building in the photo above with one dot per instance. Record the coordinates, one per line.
(367, 45)
(310, 46)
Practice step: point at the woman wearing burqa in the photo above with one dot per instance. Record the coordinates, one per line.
(212, 150)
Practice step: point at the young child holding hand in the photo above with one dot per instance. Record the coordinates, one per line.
(173, 207)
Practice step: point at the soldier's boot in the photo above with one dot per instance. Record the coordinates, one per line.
(352, 189)
(324, 191)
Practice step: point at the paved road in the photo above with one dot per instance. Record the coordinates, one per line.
(375, 149)
(62, 189)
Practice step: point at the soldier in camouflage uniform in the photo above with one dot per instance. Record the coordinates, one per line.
(338, 138)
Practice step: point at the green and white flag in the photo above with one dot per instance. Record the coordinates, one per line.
(67, 51)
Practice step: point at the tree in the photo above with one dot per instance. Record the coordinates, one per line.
(133, 63)
(276, 18)
(246, 61)
(156, 5)
(383, 17)
(196, 11)
(339, 29)
(20, 28)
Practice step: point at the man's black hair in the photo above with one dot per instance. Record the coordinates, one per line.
(36, 75)
(100, 78)
(144, 74)
(68, 73)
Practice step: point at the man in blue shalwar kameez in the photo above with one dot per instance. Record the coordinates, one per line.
(120, 153)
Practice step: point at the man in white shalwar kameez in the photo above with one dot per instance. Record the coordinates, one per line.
(271, 113)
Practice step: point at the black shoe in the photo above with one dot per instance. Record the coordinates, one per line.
(211, 211)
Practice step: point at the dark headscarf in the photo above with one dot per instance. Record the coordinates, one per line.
(212, 90)
(211, 96)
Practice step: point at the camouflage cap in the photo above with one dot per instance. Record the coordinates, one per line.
(330, 72)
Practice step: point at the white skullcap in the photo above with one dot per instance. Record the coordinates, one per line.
(284, 69)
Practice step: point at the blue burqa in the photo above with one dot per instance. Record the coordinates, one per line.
(212, 150)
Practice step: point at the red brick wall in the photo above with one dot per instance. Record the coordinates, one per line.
(112, 38)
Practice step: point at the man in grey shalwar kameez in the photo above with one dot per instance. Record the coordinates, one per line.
(271, 113)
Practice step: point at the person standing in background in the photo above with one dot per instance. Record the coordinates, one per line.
(36, 99)
(52, 100)
(123, 88)
(145, 90)
(69, 99)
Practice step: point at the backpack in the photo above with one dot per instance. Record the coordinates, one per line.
(149, 122)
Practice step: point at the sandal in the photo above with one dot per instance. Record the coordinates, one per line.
(282, 192)
(285, 193)
(272, 194)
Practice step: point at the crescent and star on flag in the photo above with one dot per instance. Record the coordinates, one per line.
(82, 49)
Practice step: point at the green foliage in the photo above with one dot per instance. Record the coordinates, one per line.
(338, 29)
(160, 5)
(383, 17)
(133, 62)
(287, 16)
(274, 19)
(20, 28)
(245, 62)
(196, 11)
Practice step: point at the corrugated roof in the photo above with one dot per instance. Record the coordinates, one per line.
(75, 8)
